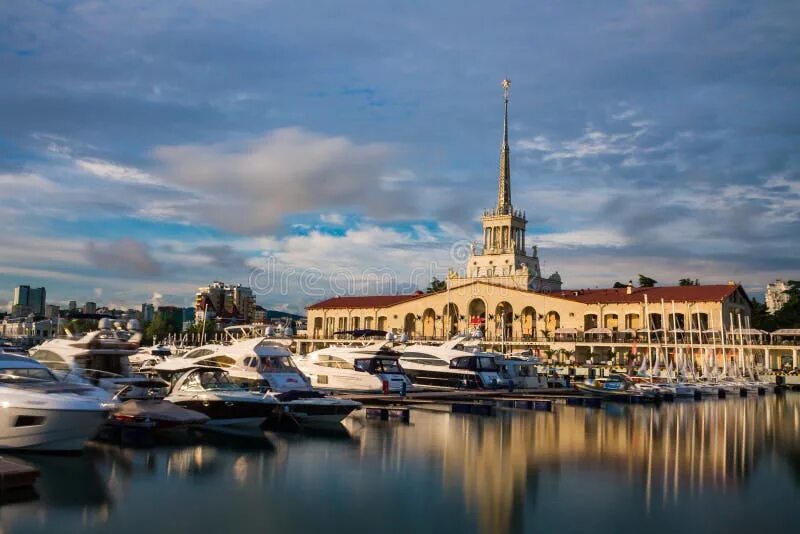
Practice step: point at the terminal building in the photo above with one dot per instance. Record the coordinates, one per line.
(502, 292)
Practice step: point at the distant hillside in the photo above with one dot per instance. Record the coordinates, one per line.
(277, 314)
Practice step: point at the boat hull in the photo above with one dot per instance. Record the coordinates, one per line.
(56, 431)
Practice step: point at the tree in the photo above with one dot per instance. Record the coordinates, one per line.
(646, 281)
(619, 285)
(158, 328)
(688, 282)
(436, 285)
(196, 330)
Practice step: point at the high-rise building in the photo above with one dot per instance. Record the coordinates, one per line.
(776, 295)
(51, 311)
(21, 295)
(90, 307)
(220, 300)
(72, 306)
(37, 299)
(148, 312)
(28, 300)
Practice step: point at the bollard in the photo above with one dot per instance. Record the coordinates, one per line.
(721, 393)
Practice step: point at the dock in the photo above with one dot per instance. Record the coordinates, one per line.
(16, 474)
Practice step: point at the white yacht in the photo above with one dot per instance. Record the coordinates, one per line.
(371, 368)
(266, 364)
(40, 413)
(149, 356)
(99, 358)
(211, 392)
(451, 365)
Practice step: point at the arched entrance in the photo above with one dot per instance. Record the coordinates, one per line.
(504, 320)
(429, 323)
(589, 321)
(552, 322)
(410, 325)
(477, 314)
(611, 321)
(633, 321)
(528, 319)
(450, 318)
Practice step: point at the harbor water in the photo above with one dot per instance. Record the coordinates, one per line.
(717, 465)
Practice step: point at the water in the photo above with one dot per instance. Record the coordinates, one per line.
(719, 466)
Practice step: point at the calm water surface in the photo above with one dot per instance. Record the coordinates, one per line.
(722, 466)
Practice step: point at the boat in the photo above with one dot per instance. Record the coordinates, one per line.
(371, 368)
(450, 365)
(41, 413)
(157, 414)
(522, 372)
(616, 385)
(211, 392)
(147, 357)
(99, 358)
(265, 364)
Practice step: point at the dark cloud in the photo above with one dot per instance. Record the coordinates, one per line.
(222, 257)
(123, 257)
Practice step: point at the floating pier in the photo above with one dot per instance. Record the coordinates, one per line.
(16, 475)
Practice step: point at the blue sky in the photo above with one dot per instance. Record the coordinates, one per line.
(149, 147)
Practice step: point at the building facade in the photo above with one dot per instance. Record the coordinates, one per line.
(503, 293)
(776, 295)
(222, 301)
(29, 300)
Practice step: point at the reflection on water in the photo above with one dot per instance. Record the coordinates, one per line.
(729, 464)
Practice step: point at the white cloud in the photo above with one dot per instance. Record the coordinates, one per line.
(248, 187)
(112, 171)
(581, 238)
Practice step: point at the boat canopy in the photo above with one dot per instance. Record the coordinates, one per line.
(599, 331)
(566, 331)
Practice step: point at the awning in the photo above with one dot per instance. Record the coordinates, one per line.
(572, 331)
(599, 331)
(786, 332)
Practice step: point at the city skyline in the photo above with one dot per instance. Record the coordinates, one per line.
(199, 145)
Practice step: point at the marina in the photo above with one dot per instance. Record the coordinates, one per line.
(518, 470)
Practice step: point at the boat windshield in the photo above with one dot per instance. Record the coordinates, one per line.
(379, 366)
(208, 381)
(276, 364)
(27, 375)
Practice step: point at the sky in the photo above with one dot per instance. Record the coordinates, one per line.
(317, 148)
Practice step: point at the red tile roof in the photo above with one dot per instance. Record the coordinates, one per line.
(367, 301)
(708, 293)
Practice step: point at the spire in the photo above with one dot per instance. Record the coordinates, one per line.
(504, 180)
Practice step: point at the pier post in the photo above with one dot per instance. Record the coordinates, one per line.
(794, 359)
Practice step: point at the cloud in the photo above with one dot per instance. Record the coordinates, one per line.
(222, 257)
(111, 171)
(248, 187)
(124, 257)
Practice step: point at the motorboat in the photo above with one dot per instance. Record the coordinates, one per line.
(157, 414)
(450, 365)
(211, 392)
(371, 368)
(147, 357)
(99, 358)
(266, 365)
(41, 413)
(616, 385)
(522, 373)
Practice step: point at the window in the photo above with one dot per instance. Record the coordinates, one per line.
(29, 420)
(51, 360)
(197, 353)
(27, 375)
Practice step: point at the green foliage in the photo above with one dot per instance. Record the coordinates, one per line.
(688, 282)
(196, 329)
(787, 317)
(436, 285)
(646, 281)
(158, 328)
(619, 285)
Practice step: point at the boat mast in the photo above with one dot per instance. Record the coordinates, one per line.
(649, 347)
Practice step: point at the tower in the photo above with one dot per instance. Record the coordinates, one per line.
(503, 259)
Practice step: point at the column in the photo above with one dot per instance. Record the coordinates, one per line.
(795, 362)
